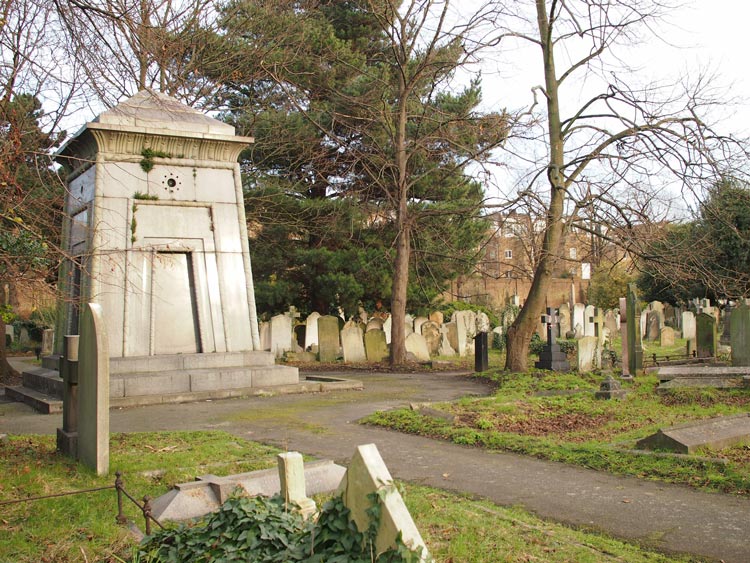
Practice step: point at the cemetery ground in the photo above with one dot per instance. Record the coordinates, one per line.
(83, 528)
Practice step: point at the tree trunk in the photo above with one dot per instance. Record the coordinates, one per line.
(520, 332)
(7, 374)
(398, 297)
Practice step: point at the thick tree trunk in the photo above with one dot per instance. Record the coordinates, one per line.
(520, 332)
(7, 374)
(398, 298)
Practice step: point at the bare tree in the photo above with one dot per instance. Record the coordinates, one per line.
(614, 151)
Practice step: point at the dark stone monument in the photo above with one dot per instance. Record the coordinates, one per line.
(552, 358)
(481, 354)
(610, 389)
(706, 337)
(635, 349)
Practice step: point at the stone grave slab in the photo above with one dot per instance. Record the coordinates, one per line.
(328, 338)
(715, 433)
(367, 474)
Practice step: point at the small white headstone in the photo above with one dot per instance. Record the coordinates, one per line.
(311, 330)
(292, 480)
(415, 343)
(353, 345)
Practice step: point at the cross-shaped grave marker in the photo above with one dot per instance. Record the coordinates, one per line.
(552, 357)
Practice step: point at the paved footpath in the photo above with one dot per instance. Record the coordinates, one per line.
(666, 517)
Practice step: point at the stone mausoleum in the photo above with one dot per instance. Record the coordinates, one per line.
(157, 236)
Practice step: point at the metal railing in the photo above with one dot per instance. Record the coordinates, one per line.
(145, 508)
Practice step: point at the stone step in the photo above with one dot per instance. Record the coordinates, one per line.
(45, 381)
(217, 360)
(177, 382)
(40, 402)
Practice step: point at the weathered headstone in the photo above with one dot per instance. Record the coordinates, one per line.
(387, 329)
(579, 315)
(353, 345)
(408, 324)
(375, 346)
(589, 314)
(653, 325)
(437, 317)
(281, 335)
(726, 326)
(466, 330)
(688, 325)
(635, 348)
(328, 338)
(716, 433)
(666, 336)
(610, 388)
(368, 475)
(452, 335)
(740, 335)
(292, 481)
(374, 324)
(265, 336)
(563, 314)
(610, 321)
(445, 346)
(624, 337)
(415, 343)
(587, 353)
(311, 332)
(431, 333)
(48, 341)
(93, 391)
(669, 316)
(644, 324)
(706, 338)
(418, 322)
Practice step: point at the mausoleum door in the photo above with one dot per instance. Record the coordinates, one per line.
(175, 317)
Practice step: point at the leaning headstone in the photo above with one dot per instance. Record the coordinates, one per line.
(431, 333)
(292, 481)
(328, 338)
(375, 347)
(653, 325)
(311, 330)
(588, 320)
(452, 335)
(437, 317)
(666, 336)
(415, 343)
(445, 345)
(563, 323)
(706, 338)
(587, 352)
(281, 335)
(418, 322)
(688, 325)
(579, 315)
(740, 335)
(366, 476)
(93, 391)
(353, 345)
(635, 348)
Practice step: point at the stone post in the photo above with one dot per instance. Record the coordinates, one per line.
(67, 436)
(292, 480)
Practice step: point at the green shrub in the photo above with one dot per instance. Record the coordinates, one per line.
(449, 308)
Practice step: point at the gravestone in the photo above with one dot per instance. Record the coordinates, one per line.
(445, 346)
(589, 313)
(368, 475)
(551, 357)
(415, 343)
(610, 321)
(579, 316)
(376, 348)
(353, 345)
(48, 341)
(265, 336)
(311, 330)
(666, 336)
(292, 484)
(437, 317)
(669, 316)
(563, 323)
(452, 335)
(653, 325)
(644, 324)
(610, 388)
(706, 338)
(374, 324)
(281, 335)
(726, 326)
(431, 333)
(635, 348)
(624, 345)
(408, 324)
(688, 325)
(10, 334)
(714, 433)
(328, 338)
(387, 329)
(362, 315)
(588, 347)
(465, 329)
(740, 335)
(93, 391)
(418, 322)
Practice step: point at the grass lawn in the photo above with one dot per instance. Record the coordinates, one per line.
(556, 416)
(82, 527)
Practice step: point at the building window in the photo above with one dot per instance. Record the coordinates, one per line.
(573, 254)
(508, 254)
